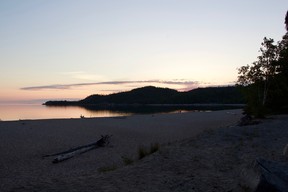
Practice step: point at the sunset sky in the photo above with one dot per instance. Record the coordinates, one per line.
(69, 49)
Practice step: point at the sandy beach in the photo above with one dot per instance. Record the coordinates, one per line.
(200, 151)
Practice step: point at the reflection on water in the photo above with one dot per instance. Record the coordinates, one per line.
(154, 108)
(16, 112)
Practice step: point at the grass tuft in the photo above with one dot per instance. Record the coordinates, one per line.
(143, 151)
(127, 160)
(154, 147)
(106, 169)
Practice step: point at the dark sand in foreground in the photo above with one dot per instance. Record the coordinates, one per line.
(199, 152)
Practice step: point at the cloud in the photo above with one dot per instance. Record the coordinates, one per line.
(46, 87)
(69, 86)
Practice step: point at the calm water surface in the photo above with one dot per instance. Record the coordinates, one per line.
(16, 112)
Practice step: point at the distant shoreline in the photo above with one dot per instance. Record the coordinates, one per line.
(72, 103)
(152, 108)
(155, 96)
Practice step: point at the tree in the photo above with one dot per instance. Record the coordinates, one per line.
(258, 76)
(265, 81)
(280, 93)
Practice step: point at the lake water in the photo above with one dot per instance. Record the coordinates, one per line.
(24, 112)
(16, 112)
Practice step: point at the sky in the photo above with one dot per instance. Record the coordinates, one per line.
(69, 49)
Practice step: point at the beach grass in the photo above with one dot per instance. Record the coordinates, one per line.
(143, 151)
(106, 169)
(127, 160)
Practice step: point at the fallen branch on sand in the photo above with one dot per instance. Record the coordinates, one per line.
(62, 156)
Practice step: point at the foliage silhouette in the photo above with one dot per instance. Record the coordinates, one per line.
(265, 81)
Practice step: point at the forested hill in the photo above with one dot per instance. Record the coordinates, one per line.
(155, 95)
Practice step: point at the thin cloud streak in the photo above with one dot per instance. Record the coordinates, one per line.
(69, 86)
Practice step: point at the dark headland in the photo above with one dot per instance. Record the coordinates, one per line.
(150, 95)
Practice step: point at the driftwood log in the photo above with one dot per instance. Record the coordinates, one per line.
(65, 155)
(266, 176)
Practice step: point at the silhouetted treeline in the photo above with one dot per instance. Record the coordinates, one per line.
(154, 95)
(265, 81)
(211, 95)
(61, 103)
